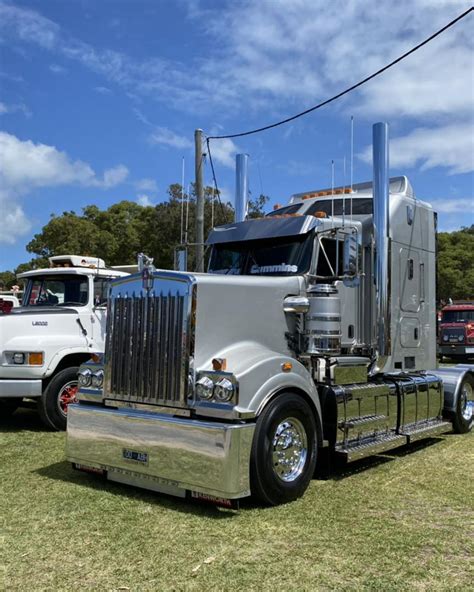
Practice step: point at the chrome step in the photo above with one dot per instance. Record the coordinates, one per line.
(371, 446)
(359, 421)
(426, 429)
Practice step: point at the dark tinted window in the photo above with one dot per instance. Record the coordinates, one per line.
(457, 316)
(330, 259)
(276, 256)
(359, 206)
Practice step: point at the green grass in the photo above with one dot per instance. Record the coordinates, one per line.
(401, 521)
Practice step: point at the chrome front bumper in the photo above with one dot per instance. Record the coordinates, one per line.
(12, 389)
(161, 452)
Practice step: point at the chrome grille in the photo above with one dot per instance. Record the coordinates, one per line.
(147, 351)
(453, 334)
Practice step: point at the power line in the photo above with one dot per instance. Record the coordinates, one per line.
(347, 90)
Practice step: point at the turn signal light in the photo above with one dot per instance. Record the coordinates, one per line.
(219, 364)
(35, 358)
(286, 367)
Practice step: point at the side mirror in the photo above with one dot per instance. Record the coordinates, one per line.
(351, 255)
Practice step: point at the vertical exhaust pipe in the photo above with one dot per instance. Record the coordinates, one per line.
(381, 231)
(241, 186)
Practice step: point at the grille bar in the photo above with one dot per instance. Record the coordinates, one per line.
(147, 348)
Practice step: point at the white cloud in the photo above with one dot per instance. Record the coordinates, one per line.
(57, 69)
(167, 137)
(274, 58)
(103, 90)
(14, 108)
(224, 151)
(454, 206)
(146, 184)
(25, 166)
(290, 53)
(144, 200)
(449, 146)
(114, 176)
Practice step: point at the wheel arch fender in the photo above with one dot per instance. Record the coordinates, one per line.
(65, 358)
(312, 401)
(452, 379)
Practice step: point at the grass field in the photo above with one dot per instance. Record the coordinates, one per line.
(400, 521)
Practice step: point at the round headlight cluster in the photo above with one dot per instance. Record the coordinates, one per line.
(98, 378)
(86, 377)
(461, 338)
(445, 338)
(204, 388)
(222, 390)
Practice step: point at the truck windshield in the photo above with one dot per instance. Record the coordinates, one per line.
(275, 256)
(57, 290)
(457, 316)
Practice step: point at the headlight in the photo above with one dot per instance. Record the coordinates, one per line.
(223, 390)
(461, 338)
(445, 338)
(97, 378)
(19, 358)
(204, 388)
(84, 377)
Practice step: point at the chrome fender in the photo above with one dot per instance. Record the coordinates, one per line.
(452, 378)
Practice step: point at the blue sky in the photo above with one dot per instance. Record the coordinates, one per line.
(99, 100)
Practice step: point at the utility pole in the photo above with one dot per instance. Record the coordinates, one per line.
(199, 265)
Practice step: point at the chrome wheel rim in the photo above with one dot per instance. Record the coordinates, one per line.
(66, 396)
(466, 401)
(290, 449)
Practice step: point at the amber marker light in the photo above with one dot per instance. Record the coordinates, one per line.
(286, 367)
(35, 358)
(320, 214)
(219, 364)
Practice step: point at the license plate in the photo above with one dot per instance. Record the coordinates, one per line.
(470, 350)
(135, 456)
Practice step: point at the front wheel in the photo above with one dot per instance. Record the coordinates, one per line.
(59, 394)
(464, 415)
(9, 406)
(284, 450)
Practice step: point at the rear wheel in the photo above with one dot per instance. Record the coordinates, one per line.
(464, 415)
(9, 406)
(284, 450)
(59, 394)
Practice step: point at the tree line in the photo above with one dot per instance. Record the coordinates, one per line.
(126, 228)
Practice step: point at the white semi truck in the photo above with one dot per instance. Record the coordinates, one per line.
(315, 327)
(60, 323)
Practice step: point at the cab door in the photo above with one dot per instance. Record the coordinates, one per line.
(99, 310)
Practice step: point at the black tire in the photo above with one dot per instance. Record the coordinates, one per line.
(463, 419)
(9, 406)
(268, 480)
(52, 405)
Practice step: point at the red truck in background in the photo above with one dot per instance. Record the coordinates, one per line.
(456, 331)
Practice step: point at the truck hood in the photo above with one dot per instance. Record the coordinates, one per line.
(40, 330)
(241, 313)
(46, 310)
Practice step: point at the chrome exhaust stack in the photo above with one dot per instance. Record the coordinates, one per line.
(241, 187)
(381, 232)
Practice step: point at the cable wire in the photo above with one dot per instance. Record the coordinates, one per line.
(347, 90)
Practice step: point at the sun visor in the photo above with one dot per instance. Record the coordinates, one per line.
(262, 228)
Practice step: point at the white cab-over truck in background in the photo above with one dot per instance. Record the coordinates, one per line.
(60, 323)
